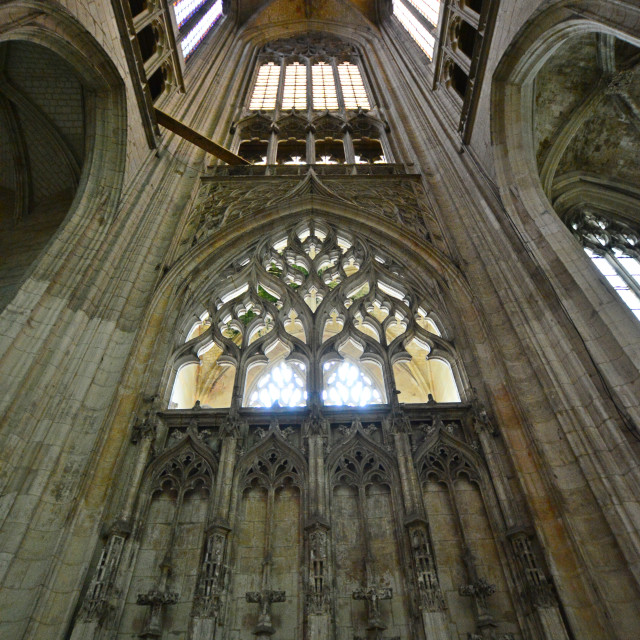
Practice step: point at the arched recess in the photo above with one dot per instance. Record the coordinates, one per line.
(584, 301)
(533, 189)
(166, 546)
(467, 531)
(367, 538)
(60, 171)
(268, 511)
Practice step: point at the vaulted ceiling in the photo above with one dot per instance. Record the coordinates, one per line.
(346, 12)
(587, 120)
(42, 128)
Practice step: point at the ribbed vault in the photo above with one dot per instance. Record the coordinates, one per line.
(587, 123)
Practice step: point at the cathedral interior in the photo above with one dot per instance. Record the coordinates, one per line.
(320, 320)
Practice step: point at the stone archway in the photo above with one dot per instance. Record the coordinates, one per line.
(62, 112)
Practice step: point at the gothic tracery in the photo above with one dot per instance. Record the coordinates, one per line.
(316, 312)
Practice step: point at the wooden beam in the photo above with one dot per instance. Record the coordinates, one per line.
(198, 139)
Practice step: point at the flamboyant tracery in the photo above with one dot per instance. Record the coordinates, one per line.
(315, 312)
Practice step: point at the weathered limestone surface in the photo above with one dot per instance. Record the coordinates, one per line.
(512, 514)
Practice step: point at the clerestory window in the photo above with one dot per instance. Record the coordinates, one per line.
(420, 19)
(195, 18)
(310, 103)
(301, 85)
(315, 313)
(614, 248)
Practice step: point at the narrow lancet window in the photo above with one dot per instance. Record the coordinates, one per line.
(265, 91)
(430, 9)
(324, 87)
(197, 34)
(622, 273)
(353, 91)
(295, 87)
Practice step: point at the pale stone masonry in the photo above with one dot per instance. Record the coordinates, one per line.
(471, 472)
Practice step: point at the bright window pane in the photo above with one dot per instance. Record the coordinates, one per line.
(196, 35)
(346, 384)
(629, 264)
(295, 87)
(428, 8)
(616, 281)
(284, 384)
(266, 88)
(324, 87)
(416, 30)
(353, 90)
(184, 9)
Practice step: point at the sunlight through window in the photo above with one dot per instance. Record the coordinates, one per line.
(283, 385)
(347, 385)
(416, 30)
(197, 34)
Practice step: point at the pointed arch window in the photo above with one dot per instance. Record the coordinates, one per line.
(284, 385)
(614, 249)
(315, 313)
(265, 91)
(323, 87)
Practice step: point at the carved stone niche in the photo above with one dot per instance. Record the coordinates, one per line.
(318, 588)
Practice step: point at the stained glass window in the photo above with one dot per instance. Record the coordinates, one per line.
(197, 34)
(317, 313)
(184, 9)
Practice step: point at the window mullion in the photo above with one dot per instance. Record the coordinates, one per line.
(272, 150)
(309, 88)
(623, 273)
(283, 71)
(336, 79)
(347, 141)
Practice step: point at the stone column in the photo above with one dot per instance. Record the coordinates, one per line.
(538, 591)
(99, 601)
(427, 589)
(213, 577)
(349, 153)
(318, 593)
